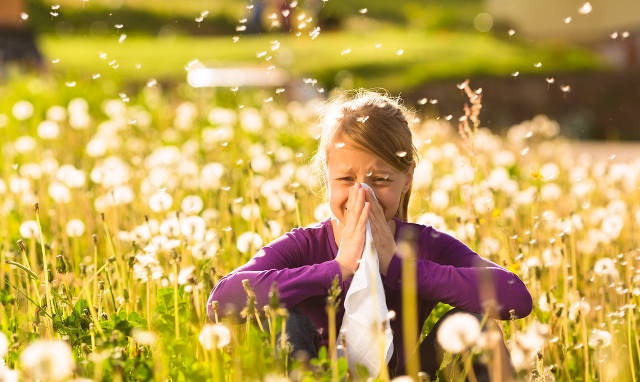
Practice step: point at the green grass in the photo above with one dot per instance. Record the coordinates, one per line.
(426, 56)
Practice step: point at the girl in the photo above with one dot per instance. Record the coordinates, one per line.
(366, 139)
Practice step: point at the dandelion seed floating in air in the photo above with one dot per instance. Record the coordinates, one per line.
(422, 101)
(314, 33)
(565, 88)
(550, 80)
(511, 32)
(24, 16)
(567, 20)
(585, 9)
(345, 52)
(399, 52)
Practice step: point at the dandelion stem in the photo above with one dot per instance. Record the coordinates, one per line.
(45, 265)
(176, 316)
(333, 353)
(148, 303)
(630, 334)
(409, 307)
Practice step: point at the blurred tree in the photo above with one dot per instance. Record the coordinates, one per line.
(17, 40)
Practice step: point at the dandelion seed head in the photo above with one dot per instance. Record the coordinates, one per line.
(22, 110)
(248, 241)
(250, 212)
(75, 228)
(4, 345)
(606, 267)
(59, 192)
(48, 129)
(579, 308)
(214, 336)
(160, 201)
(49, 360)
(458, 332)
(144, 337)
(29, 229)
(612, 225)
(599, 338)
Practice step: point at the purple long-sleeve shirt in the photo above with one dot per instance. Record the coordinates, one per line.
(302, 264)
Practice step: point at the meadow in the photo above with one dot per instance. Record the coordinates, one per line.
(118, 213)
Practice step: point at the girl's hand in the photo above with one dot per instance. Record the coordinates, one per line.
(353, 230)
(382, 232)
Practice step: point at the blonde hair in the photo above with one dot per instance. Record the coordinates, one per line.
(375, 122)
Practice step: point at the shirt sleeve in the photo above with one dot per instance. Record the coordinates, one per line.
(448, 271)
(290, 263)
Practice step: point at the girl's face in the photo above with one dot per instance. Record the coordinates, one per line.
(347, 164)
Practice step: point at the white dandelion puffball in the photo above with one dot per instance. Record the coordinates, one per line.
(599, 338)
(4, 345)
(248, 241)
(24, 144)
(48, 360)
(59, 192)
(192, 204)
(75, 228)
(29, 229)
(8, 375)
(322, 211)
(251, 120)
(160, 201)
(458, 332)
(48, 129)
(56, 113)
(22, 110)
(214, 336)
(250, 212)
(606, 267)
(439, 199)
(144, 337)
(222, 116)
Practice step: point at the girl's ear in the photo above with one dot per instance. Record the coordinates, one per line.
(409, 181)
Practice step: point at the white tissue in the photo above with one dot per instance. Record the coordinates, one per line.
(365, 325)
